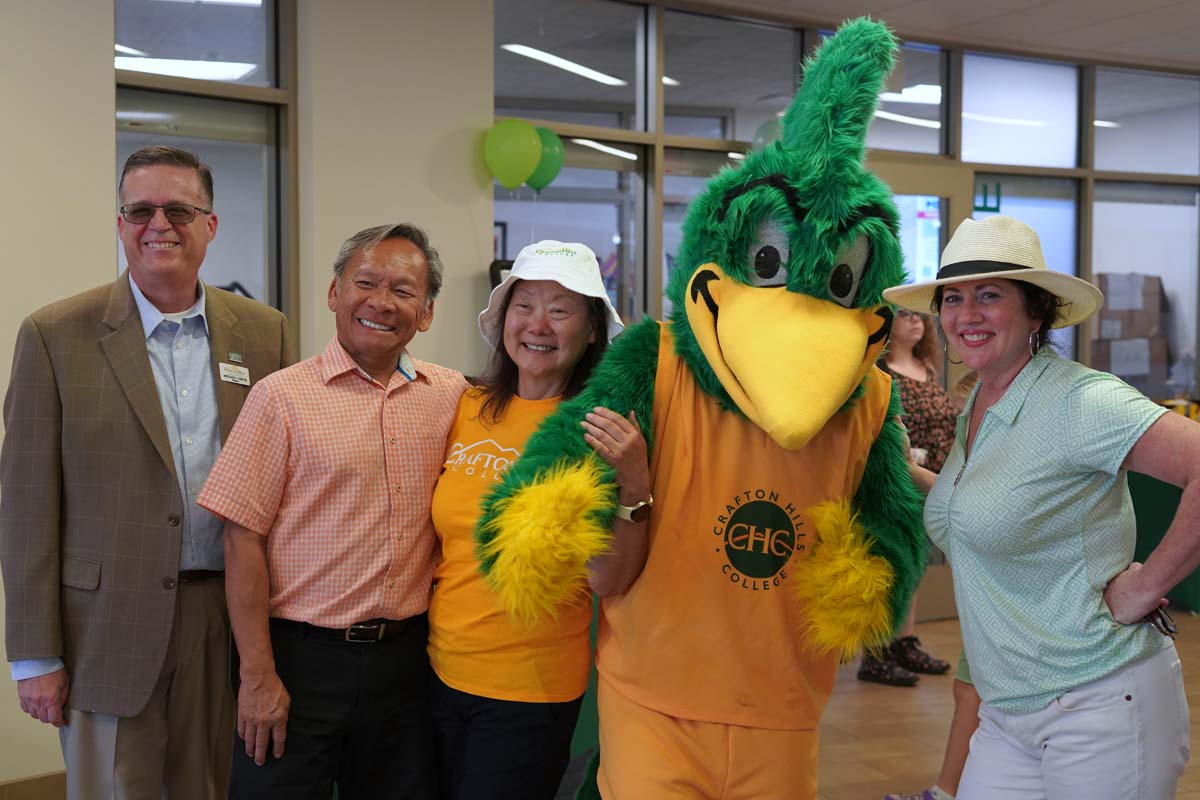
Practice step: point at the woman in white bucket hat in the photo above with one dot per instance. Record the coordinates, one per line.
(1082, 694)
(506, 696)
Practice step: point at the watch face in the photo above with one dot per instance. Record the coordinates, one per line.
(641, 513)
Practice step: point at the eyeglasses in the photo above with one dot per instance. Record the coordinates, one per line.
(1161, 621)
(904, 313)
(176, 213)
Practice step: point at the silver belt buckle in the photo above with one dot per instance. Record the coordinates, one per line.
(365, 633)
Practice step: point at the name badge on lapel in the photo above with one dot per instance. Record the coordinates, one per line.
(232, 374)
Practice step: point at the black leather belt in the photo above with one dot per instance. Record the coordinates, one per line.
(368, 632)
(197, 575)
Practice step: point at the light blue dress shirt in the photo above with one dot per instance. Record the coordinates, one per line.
(180, 358)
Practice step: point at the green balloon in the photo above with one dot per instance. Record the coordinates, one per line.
(512, 150)
(550, 164)
(768, 132)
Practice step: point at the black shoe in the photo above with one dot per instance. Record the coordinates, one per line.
(907, 653)
(885, 670)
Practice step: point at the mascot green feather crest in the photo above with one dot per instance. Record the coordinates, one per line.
(777, 312)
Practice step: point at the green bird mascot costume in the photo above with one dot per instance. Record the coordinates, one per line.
(785, 532)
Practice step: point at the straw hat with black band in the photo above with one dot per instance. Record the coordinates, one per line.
(1000, 247)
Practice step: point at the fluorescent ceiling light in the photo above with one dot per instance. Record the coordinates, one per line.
(144, 116)
(603, 148)
(128, 51)
(180, 68)
(736, 156)
(667, 81)
(219, 2)
(562, 63)
(925, 93)
(1103, 123)
(1025, 123)
(907, 120)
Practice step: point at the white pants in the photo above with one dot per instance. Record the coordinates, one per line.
(1122, 737)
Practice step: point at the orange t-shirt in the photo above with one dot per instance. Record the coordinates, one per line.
(710, 630)
(473, 645)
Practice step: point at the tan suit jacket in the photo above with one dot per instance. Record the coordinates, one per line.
(90, 506)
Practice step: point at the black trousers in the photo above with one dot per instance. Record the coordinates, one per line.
(500, 749)
(360, 719)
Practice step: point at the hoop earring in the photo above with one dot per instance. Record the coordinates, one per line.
(1035, 344)
(946, 351)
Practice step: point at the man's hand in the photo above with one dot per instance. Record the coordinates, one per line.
(263, 706)
(45, 697)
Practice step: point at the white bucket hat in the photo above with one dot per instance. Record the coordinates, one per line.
(572, 266)
(1001, 247)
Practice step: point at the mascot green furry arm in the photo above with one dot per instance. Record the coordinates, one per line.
(778, 314)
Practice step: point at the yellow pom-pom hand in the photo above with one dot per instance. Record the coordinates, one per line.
(844, 588)
(545, 533)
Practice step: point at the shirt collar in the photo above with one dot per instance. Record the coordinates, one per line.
(150, 315)
(336, 361)
(1013, 399)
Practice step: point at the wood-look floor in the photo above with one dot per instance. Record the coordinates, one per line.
(879, 739)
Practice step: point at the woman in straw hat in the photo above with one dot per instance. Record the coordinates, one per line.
(505, 696)
(1082, 693)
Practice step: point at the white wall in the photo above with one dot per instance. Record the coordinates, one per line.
(57, 149)
(394, 100)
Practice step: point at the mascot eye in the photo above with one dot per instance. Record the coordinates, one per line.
(848, 268)
(769, 256)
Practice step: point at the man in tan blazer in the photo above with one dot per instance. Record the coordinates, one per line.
(118, 403)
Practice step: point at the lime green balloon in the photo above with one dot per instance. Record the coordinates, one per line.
(511, 151)
(551, 162)
(768, 132)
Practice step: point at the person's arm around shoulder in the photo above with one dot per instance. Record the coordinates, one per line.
(30, 499)
(619, 441)
(263, 701)
(1169, 450)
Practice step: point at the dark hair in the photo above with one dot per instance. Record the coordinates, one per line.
(1039, 303)
(926, 348)
(369, 237)
(171, 157)
(501, 378)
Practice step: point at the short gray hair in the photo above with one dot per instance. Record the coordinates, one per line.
(369, 237)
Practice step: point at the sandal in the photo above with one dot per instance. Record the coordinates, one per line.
(908, 653)
(885, 670)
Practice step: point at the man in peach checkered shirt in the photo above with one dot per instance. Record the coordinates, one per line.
(325, 484)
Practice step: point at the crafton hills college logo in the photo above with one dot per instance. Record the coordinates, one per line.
(759, 534)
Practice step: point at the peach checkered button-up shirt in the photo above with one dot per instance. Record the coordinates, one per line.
(337, 472)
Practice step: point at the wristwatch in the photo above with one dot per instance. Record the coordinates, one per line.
(639, 512)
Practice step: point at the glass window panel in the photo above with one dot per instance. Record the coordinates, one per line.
(912, 104)
(1142, 232)
(569, 55)
(920, 235)
(1146, 122)
(1017, 111)
(597, 200)
(1050, 207)
(685, 174)
(738, 74)
(236, 140)
(220, 40)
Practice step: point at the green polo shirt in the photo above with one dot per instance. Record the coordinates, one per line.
(1035, 524)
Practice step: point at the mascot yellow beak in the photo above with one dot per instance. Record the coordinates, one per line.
(788, 360)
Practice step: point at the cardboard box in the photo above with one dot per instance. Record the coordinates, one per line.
(1140, 362)
(935, 595)
(1134, 306)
